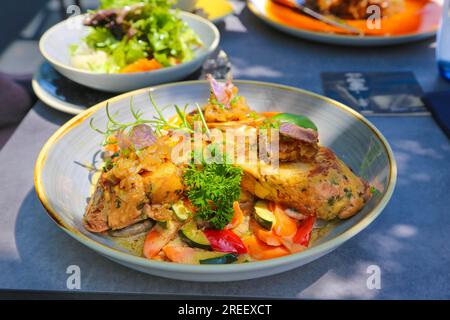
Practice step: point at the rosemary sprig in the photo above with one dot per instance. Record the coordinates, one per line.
(182, 116)
(159, 123)
(113, 126)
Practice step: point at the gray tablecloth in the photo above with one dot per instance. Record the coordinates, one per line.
(409, 242)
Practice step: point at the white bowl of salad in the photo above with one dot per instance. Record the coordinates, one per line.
(129, 44)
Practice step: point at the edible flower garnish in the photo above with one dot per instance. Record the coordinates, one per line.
(142, 136)
(222, 93)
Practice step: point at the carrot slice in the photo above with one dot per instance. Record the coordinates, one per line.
(260, 251)
(238, 216)
(268, 237)
(157, 238)
(142, 65)
(284, 225)
(112, 147)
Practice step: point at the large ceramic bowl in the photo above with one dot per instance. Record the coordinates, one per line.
(63, 183)
(54, 46)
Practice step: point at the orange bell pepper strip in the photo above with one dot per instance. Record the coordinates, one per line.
(266, 236)
(238, 216)
(260, 251)
(284, 225)
(158, 237)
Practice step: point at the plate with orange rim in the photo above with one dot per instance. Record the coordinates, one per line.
(418, 20)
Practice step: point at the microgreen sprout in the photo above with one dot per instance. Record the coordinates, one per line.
(202, 118)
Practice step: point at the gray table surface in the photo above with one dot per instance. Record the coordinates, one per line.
(410, 241)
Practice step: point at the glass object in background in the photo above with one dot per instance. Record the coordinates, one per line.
(443, 42)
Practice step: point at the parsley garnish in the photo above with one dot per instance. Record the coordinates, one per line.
(212, 188)
(332, 200)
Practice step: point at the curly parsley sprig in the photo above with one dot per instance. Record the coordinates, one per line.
(213, 188)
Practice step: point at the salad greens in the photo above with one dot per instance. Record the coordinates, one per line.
(130, 30)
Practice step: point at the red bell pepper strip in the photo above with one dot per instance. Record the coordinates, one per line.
(304, 230)
(225, 241)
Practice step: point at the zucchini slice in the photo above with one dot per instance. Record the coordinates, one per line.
(219, 258)
(194, 237)
(163, 224)
(181, 211)
(263, 215)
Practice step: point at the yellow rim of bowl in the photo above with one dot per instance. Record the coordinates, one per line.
(322, 248)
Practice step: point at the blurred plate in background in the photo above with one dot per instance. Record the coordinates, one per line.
(215, 10)
(419, 20)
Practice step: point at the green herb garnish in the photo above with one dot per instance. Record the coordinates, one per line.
(348, 193)
(113, 126)
(212, 188)
(374, 191)
(332, 200)
(215, 102)
(234, 100)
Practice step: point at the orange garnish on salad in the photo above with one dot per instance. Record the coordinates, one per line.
(142, 65)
